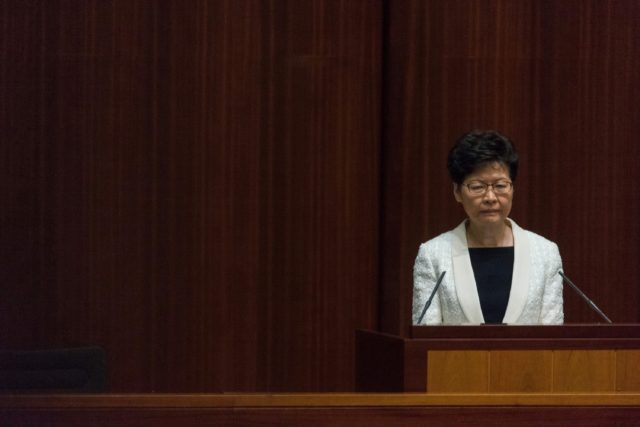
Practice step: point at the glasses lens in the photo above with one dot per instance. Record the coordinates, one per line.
(501, 187)
(477, 187)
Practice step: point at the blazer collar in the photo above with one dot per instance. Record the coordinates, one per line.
(465, 281)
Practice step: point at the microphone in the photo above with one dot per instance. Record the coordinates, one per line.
(584, 297)
(433, 293)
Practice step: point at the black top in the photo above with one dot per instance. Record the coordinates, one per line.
(493, 269)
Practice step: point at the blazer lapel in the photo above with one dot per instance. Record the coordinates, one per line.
(465, 280)
(520, 278)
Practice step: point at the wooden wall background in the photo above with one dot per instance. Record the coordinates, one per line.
(194, 186)
(220, 192)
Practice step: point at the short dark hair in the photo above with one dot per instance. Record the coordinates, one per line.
(477, 148)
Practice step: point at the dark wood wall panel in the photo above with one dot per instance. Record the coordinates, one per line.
(25, 228)
(558, 78)
(193, 186)
(220, 192)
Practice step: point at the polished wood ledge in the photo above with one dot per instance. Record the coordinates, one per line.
(298, 400)
(322, 409)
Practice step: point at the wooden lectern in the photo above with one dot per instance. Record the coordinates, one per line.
(501, 359)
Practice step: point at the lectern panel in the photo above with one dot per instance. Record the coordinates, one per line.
(526, 371)
(501, 359)
(458, 371)
(628, 370)
(584, 371)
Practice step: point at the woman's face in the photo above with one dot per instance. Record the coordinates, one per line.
(490, 208)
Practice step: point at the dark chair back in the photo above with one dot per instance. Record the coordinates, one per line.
(68, 370)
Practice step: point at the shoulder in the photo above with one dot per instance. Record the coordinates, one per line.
(539, 241)
(536, 241)
(440, 242)
(437, 249)
(542, 248)
(433, 253)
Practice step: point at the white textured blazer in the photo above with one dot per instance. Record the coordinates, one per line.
(536, 286)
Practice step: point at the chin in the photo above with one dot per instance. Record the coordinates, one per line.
(491, 219)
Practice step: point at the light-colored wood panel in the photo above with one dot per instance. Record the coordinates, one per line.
(520, 371)
(458, 371)
(584, 370)
(558, 371)
(628, 370)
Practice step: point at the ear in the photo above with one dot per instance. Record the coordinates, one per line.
(456, 192)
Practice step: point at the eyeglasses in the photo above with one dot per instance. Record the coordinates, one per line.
(478, 188)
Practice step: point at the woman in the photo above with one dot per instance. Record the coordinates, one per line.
(495, 271)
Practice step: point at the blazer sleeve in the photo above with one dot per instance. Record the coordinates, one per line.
(424, 280)
(552, 311)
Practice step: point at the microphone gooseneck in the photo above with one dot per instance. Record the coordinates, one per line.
(584, 297)
(433, 293)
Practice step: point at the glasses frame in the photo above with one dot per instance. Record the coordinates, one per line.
(487, 186)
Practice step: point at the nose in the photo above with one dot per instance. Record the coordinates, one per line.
(489, 195)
